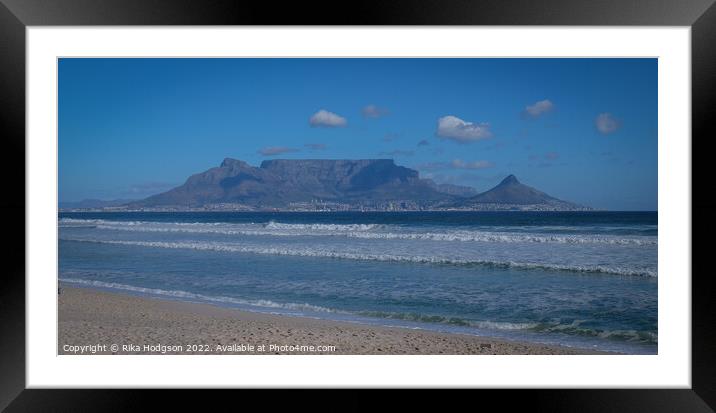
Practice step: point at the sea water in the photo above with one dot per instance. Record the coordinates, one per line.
(581, 279)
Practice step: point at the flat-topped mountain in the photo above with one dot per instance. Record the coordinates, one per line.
(288, 183)
(279, 182)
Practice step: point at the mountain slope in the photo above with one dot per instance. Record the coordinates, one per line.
(513, 194)
(279, 182)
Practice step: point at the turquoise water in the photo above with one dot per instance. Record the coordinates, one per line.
(583, 279)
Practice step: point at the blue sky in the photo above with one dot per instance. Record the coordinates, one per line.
(583, 130)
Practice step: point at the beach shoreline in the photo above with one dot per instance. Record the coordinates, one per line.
(93, 321)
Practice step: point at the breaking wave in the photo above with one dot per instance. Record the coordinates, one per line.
(322, 227)
(308, 252)
(361, 231)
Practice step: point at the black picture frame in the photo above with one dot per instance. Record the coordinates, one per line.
(16, 15)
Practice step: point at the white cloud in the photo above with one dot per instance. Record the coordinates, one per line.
(373, 111)
(276, 150)
(606, 123)
(539, 108)
(454, 128)
(460, 164)
(327, 119)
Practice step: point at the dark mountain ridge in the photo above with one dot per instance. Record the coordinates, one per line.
(515, 194)
(281, 183)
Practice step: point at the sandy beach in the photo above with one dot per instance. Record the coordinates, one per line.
(91, 321)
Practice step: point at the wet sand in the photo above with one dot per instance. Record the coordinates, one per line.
(91, 321)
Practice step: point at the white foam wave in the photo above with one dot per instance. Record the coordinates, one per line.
(495, 325)
(322, 227)
(361, 231)
(481, 236)
(307, 252)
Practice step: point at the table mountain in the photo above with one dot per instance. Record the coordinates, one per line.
(279, 182)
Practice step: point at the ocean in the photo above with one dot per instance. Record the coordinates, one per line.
(580, 279)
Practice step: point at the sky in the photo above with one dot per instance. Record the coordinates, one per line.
(582, 130)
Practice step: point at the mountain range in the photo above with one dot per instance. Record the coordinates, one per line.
(372, 183)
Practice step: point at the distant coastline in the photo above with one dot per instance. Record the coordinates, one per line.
(334, 208)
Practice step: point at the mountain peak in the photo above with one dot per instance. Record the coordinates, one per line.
(377, 183)
(229, 162)
(510, 180)
(282, 182)
(511, 193)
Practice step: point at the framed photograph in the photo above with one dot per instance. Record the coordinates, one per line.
(471, 196)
